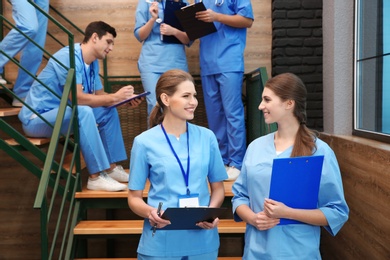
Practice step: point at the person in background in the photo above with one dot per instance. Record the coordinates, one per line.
(180, 160)
(284, 102)
(222, 70)
(34, 24)
(101, 141)
(157, 56)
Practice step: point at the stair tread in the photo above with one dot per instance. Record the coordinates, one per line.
(68, 160)
(33, 140)
(122, 227)
(9, 111)
(7, 85)
(96, 194)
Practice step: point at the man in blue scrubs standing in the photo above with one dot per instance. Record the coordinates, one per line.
(101, 139)
(222, 69)
(34, 24)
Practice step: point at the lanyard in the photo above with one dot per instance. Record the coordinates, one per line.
(185, 175)
(89, 81)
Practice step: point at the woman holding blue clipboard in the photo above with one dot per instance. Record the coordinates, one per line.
(284, 103)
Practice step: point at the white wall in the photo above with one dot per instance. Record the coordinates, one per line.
(338, 26)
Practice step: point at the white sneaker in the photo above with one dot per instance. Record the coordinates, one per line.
(2, 81)
(232, 173)
(16, 102)
(105, 182)
(119, 174)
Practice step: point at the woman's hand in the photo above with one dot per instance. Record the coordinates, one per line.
(207, 16)
(262, 222)
(275, 209)
(166, 29)
(155, 219)
(208, 225)
(153, 9)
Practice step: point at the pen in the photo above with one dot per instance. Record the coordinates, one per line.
(158, 214)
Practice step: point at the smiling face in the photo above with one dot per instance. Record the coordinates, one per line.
(273, 107)
(104, 45)
(183, 102)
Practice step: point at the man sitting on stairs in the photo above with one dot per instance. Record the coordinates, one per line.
(101, 141)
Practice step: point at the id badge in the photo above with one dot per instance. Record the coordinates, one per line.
(189, 201)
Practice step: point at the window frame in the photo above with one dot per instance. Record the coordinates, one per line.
(356, 78)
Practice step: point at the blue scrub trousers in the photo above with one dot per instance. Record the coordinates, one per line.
(149, 82)
(34, 24)
(208, 256)
(225, 114)
(100, 145)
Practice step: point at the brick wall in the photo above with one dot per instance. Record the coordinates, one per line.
(297, 48)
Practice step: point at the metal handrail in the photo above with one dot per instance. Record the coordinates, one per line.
(64, 184)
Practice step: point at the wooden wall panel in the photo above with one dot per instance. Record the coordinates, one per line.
(120, 14)
(365, 170)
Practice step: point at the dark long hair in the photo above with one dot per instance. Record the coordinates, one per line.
(288, 86)
(167, 83)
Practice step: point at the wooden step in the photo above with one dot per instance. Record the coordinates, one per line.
(131, 227)
(8, 85)
(9, 111)
(33, 140)
(95, 194)
(68, 160)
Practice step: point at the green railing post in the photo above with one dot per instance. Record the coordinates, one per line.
(256, 127)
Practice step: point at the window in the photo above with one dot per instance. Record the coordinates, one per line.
(372, 69)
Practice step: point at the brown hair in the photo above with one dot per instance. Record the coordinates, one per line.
(167, 84)
(288, 86)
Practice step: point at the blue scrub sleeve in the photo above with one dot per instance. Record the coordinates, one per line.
(240, 191)
(331, 199)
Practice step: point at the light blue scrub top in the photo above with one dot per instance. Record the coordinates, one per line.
(54, 76)
(157, 56)
(294, 241)
(223, 51)
(152, 158)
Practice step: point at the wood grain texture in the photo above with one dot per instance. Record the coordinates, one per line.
(365, 168)
(120, 14)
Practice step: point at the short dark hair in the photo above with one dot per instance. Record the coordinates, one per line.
(100, 28)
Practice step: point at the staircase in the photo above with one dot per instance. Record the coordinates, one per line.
(86, 229)
(67, 210)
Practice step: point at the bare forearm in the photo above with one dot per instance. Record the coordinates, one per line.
(139, 207)
(217, 194)
(145, 30)
(237, 21)
(182, 36)
(246, 214)
(313, 217)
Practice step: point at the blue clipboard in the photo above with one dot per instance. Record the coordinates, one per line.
(132, 98)
(295, 182)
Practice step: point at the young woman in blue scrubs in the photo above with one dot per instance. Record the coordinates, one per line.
(156, 56)
(180, 160)
(222, 69)
(284, 102)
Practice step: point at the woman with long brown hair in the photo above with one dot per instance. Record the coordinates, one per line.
(284, 102)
